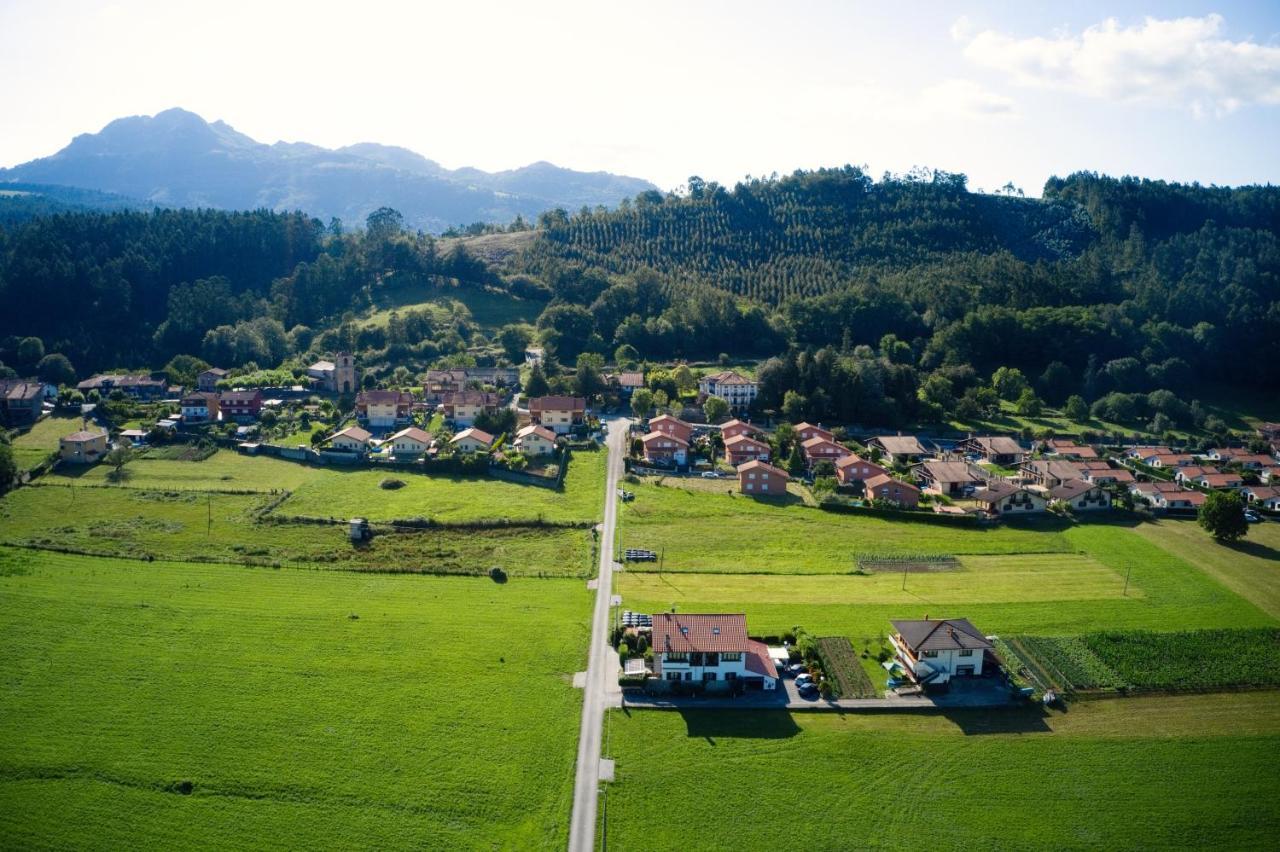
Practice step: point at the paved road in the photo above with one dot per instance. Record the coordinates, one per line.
(586, 791)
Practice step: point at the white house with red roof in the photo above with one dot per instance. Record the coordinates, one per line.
(706, 647)
(535, 440)
(471, 440)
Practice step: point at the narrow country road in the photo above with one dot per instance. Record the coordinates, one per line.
(586, 790)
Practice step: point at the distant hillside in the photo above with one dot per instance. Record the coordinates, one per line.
(177, 159)
(22, 201)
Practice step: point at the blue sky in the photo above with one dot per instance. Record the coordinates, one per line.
(1000, 91)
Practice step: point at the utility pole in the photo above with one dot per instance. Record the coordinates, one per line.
(904, 575)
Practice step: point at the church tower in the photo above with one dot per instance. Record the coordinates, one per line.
(344, 373)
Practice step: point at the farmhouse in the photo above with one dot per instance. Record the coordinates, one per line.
(471, 440)
(83, 447)
(819, 449)
(899, 449)
(734, 428)
(240, 405)
(742, 449)
(353, 439)
(1050, 472)
(934, 651)
(947, 477)
(853, 468)
(703, 648)
(208, 379)
(668, 425)
(1081, 496)
(138, 387)
(994, 449)
(463, 407)
(409, 442)
(199, 407)
(805, 431)
(1003, 499)
(663, 448)
(734, 388)
(885, 487)
(558, 413)
(535, 441)
(21, 401)
(757, 477)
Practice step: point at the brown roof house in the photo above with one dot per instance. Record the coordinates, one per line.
(742, 449)
(734, 428)
(1003, 500)
(463, 407)
(21, 401)
(662, 448)
(761, 479)
(534, 440)
(899, 449)
(409, 442)
(471, 440)
(890, 490)
(932, 651)
(819, 449)
(558, 413)
(352, 439)
(1081, 496)
(854, 468)
(83, 447)
(668, 425)
(947, 477)
(994, 449)
(710, 647)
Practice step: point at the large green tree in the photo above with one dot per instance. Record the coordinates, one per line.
(1222, 516)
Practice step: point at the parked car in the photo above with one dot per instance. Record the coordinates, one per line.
(1252, 516)
(805, 679)
(710, 474)
(808, 690)
(795, 668)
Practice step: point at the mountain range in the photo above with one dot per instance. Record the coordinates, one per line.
(177, 159)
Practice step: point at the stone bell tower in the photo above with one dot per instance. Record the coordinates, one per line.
(344, 373)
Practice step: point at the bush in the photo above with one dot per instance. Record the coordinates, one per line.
(391, 483)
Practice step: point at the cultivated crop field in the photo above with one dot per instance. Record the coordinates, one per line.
(161, 705)
(1184, 772)
(186, 525)
(702, 532)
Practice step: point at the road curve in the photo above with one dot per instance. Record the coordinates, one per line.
(586, 789)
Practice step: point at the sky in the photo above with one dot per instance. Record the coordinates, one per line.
(1004, 93)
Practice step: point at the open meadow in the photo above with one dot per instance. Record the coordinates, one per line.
(162, 705)
(1184, 772)
(41, 440)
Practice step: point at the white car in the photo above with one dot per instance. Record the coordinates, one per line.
(803, 679)
(710, 474)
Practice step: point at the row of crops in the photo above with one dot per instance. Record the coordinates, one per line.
(841, 665)
(1138, 660)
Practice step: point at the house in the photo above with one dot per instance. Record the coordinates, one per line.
(1148, 490)
(1260, 493)
(1270, 475)
(1170, 460)
(1104, 474)
(662, 448)
(1002, 499)
(471, 440)
(1190, 473)
(1219, 480)
(336, 376)
(1143, 453)
(1050, 472)
(854, 468)
(1253, 461)
(1269, 431)
(936, 650)
(535, 441)
(441, 382)
(885, 487)
(199, 407)
(761, 479)
(947, 477)
(1271, 504)
(353, 439)
(83, 447)
(501, 377)
(806, 430)
(384, 409)
(899, 449)
(409, 442)
(21, 401)
(1179, 500)
(668, 425)
(1069, 449)
(742, 449)
(240, 405)
(135, 437)
(731, 386)
(735, 427)
(629, 381)
(463, 407)
(820, 449)
(1080, 495)
(994, 449)
(701, 648)
(558, 413)
(138, 387)
(208, 380)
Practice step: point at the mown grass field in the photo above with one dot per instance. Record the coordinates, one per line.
(196, 706)
(702, 532)
(1188, 773)
(34, 446)
(137, 523)
(225, 470)
(1250, 568)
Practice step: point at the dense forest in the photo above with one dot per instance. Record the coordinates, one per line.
(873, 301)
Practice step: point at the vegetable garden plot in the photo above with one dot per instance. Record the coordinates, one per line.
(841, 663)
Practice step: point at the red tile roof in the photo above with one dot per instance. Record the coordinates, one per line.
(557, 403)
(756, 464)
(681, 633)
(758, 660)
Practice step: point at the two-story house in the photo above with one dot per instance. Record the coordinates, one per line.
(741, 449)
(83, 447)
(994, 449)
(668, 425)
(1002, 499)
(951, 478)
(384, 409)
(710, 647)
(240, 405)
(819, 449)
(932, 651)
(441, 382)
(899, 449)
(1080, 495)
(535, 440)
(893, 491)
(854, 468)
(463, 407)
(201, 407)
(734, 428)
(207, 381)
(662, 448)
(761, 479)
(731, 386)
(560, 414)
(21, 401)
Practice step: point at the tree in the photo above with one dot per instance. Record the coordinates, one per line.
(184, 369)
(626, 356)
(566, 330)
(514, 340)
(56, 369)
(641, 402)
(685, 382)
(1076, 408)
(661, 400)
(793, 406)
(8, 467)
(715, 408)
(588, 381)
(30, 350)
(1009, 382)
(383, 223)
(1222, 516)
(537, 383)
(1029, 405)
(117, 459)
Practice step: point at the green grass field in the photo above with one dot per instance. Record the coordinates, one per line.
(135, 523)
(1250, 568)
(225, 470)
(703, 532)
(303, 709)
(1189, 772)
(489, 309)
(34, 446)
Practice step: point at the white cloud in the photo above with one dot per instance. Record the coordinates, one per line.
(1178, 62)
(963, 98)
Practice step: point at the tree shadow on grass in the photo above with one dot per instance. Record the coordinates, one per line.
(1256, 549)
(979, 721)
(713, 724)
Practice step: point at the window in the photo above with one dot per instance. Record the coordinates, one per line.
(730, 675)
(967, 652)
(708, 676)
(731, 657)
(930, 654)
(676, 658)
(673, 675)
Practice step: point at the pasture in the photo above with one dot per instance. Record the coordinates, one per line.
(1084, 779)
(701, 532)
(169, 705)
(188, 525)
(489, 309)
(36, 444)
(1250, 568)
